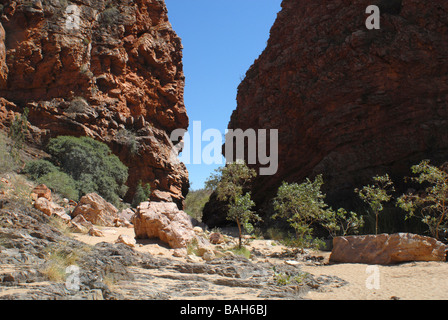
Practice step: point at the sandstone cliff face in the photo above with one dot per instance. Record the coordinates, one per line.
(350, 103)
(111, 70)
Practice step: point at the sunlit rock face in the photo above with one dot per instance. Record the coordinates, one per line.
(111, 70)
(349, 103)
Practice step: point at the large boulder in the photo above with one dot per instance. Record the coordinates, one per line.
(96, 210)
(163, 220)
(384, 249)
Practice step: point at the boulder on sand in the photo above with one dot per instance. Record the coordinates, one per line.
(385, 249)
(163, 220)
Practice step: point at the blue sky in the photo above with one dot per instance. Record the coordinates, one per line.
(221, 41)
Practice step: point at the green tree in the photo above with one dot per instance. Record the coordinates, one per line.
(302, 205)
(240, 211)
(230, 184)
(432, 203)
(341, 222)
(230, 181)
(377, 194)
(62, 183)
(39, 168)
(142, 194)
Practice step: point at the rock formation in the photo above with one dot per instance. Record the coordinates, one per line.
(350, 103)
(165, 222)
(96, 210)
(111, 70)
(387, 249)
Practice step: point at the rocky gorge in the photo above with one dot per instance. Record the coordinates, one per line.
(348, 102)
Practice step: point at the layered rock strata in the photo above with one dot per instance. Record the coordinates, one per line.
(111, 70)
(350, 103)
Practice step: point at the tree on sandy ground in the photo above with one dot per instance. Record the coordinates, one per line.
(432, 202)
(377, 194)
(303, 206)
(230, 184)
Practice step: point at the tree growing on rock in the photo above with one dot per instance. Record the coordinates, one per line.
(230, 184)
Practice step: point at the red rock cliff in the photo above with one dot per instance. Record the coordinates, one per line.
(111, 70)
(350, 103)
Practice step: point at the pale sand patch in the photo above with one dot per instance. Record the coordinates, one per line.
(409, 281)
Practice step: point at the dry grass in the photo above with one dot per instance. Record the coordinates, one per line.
(60, 258)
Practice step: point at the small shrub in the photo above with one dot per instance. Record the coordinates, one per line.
(18, 132)
(141, 194)
(431, 203)
(110, 16)
(192, 247)
(20, 189)
(61, 183)
(376, 195)
(284, 279)
(230, 184)
(39, 168)
(128, 139)
(92, 165)
(78, 104)
(240, 250)
(61, 257)
(302, 205)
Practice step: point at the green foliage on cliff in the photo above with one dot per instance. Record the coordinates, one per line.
(7, 162)
(79, 166)
(142, 194)
(17, 133)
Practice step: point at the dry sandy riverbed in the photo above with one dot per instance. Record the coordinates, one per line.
(409, 281)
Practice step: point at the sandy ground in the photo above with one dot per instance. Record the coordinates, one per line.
(409, 281)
